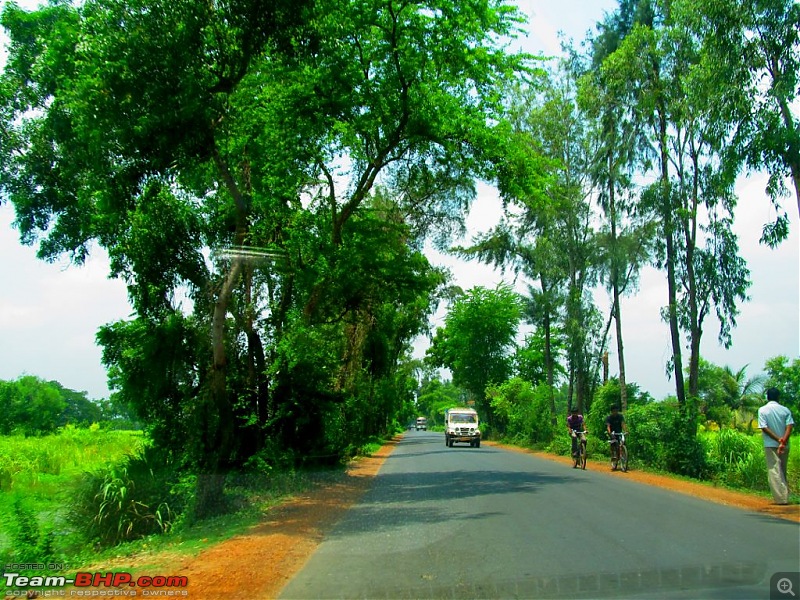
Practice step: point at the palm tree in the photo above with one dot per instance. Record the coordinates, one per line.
(744, 395)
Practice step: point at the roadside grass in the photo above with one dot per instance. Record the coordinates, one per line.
(40, 474)
(38, 471)
(252, 496)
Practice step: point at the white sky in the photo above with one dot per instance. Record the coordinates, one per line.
(50, 313)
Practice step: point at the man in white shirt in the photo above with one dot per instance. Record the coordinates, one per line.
(775, 422)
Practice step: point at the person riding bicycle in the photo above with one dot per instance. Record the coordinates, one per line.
(615, 424)
(576, 427)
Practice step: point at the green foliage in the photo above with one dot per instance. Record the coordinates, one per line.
(29, 544)
(608, 395)
(38, 473)
(522, 412)
(683, 452)
(25, 462)
(29, 406)
(152, 366)
(784, 374)
(477, 340)
(753, 50)
(664, 436)
(529, 360)
(128, 500)
(737, 459)
(435, 397)
(728, 398)
(32, 406)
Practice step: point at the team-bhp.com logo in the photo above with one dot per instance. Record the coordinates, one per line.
(94, 584)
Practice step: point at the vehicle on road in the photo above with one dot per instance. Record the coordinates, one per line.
(422, 424)
(461, 425)
(619, 452)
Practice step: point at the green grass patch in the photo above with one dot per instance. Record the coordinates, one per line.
(47, 499)
(37, 477)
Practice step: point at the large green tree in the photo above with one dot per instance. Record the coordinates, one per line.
(230, 154)
(625, 235)
(478, 340)
(31, 406)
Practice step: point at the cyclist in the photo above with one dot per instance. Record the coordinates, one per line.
(575, 426)
(615, 424)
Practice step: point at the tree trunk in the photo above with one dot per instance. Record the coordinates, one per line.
(623, 391)
(667, 216)
(217, 414)
(677, 362)
(548, 354)
(695, 319)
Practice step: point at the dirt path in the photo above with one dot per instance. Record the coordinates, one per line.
(267, 557)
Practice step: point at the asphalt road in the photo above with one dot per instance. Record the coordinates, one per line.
(484, 522)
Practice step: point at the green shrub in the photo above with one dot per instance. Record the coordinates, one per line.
(28, 543)
(737, 458)
(127, 500)
(664, 436)
(683, 452)
(522, 412)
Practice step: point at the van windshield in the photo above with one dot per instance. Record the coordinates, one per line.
(462, 418)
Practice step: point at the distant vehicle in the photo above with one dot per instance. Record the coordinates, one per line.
(422, 423)
(461, 425)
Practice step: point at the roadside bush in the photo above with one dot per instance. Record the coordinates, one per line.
(127, 500)
(29, 544)
(644, 441)
(664, 436)
(606, 396)
(522, 412)
(737, 458)
(684, 454)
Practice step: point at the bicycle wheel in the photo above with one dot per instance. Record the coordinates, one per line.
(623, 458)
(614, 455)
(582, 455)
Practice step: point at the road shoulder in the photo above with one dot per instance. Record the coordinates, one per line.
(705, 491)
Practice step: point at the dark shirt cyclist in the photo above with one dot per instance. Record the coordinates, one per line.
(575, 426)
(615, 424)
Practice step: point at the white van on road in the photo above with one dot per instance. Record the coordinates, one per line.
(461, 425)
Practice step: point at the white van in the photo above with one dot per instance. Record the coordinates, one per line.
(461, 425)
(422, 423)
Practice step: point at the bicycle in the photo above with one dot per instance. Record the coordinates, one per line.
(619, 452)
(579, 457)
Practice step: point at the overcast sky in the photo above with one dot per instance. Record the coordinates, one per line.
(50, 313)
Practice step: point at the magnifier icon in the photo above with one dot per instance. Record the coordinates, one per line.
(784, 586)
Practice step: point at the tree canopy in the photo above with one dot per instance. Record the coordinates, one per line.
(275, 163)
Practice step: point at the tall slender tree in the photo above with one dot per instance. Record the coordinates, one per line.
(662, 76)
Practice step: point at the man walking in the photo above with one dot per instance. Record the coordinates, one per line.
(775, 422)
